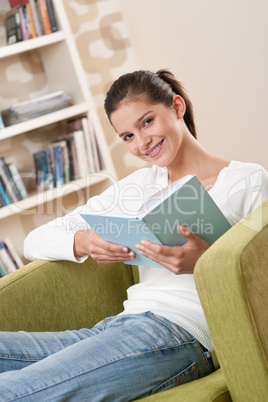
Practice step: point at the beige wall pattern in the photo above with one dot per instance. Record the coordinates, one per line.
(105, 53)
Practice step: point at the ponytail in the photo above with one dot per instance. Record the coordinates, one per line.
(178, 89)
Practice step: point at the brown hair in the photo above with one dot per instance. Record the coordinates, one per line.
(159, 87)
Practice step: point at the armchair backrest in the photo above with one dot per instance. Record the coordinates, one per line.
(232, 282)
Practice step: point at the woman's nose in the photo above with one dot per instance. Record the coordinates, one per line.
(144, 141)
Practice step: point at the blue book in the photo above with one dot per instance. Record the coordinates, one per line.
(185, 201)
(51, 15)
(59, 176)
(10, 186)
(4, 197)
(2, 272)
(43, 169)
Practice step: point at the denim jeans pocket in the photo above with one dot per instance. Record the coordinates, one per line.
(190, 373)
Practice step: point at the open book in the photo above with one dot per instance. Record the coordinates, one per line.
(185, 201)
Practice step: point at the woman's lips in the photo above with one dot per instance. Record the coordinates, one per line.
(155, 150)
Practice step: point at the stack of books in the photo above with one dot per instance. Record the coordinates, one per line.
(29, 19)
(12, 188)
(70, 157)
(10, 260)
(30, 109)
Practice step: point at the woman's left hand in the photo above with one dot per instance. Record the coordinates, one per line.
(177, 259)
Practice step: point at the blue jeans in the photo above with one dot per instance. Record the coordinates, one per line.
(120, 359)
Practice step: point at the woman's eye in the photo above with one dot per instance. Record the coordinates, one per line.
(148, 121)
(127, 137)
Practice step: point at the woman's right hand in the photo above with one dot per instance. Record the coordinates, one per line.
(87, 242)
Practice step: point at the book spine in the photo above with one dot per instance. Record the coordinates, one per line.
(17, 3)
(36, 22)
(2, 272)
(39, 17)
(4, 197)
(5, 182)
(94, 146)
(27, 22)
(10, 24)
(18, 26)
(59, 170)
(43, 169)
(15, 255)
(51, 15)
(6, 261)
(66, 162)
(24, 33)
(13, 262)
(18, 180)
(90, 156)
(31, 26)
(2, 204)
(63, 143)
(9, 182)
(74, 157)
(45, 16)
(81, 153)
(1, 122)
(71, 171)
(67, 170)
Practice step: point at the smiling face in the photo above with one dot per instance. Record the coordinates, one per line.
(152, 132)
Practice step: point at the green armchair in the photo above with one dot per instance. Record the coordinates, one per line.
(232, 283)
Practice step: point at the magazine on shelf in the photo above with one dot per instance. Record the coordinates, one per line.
(30, 109)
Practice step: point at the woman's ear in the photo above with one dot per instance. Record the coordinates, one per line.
(179, 106)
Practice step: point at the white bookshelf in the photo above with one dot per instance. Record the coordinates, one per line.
(28, 45)
(33, 124)
(24, 207)
(63, 69)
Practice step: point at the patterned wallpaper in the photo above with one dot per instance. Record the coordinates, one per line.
(105, 52)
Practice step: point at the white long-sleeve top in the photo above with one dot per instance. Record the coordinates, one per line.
(239, 189)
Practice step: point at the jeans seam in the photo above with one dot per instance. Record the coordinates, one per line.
(107, 321)
(174, 333)
(204, 357)
(24, 358)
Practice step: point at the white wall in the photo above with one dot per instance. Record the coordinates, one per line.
(218, 49)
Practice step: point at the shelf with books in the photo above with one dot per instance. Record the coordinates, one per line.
(24, 207)
(29, 45)
(61, 69)
(44, 120)
(28, 19)
(67, 151)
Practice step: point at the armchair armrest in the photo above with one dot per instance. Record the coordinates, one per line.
(232, 283)
(60, 295)
(211, 388)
